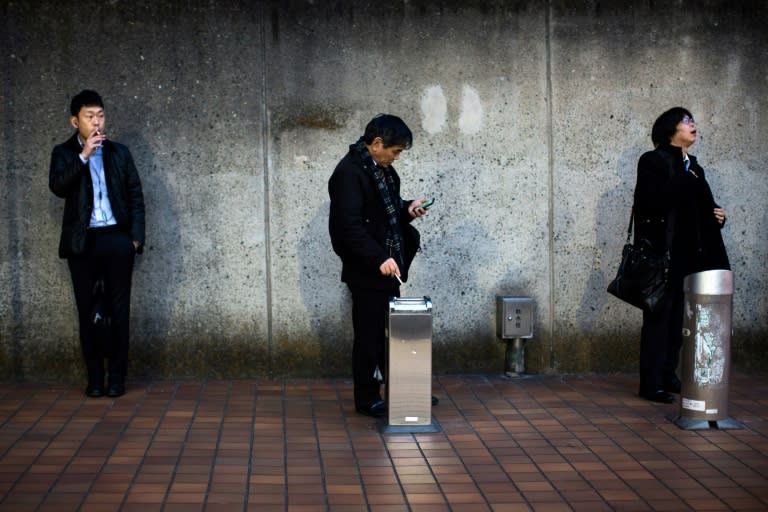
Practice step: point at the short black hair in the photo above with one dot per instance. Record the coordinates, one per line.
(666, 125)
(392, 130)
(85, 98)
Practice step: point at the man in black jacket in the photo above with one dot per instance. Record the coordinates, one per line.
(370, 231)
(102, 230)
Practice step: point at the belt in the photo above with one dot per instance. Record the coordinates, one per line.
(104, 229)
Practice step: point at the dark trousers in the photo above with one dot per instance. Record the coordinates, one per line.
(369, 317)
(109, 254)
(661, 338)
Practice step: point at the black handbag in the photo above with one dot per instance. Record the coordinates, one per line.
(642, 277)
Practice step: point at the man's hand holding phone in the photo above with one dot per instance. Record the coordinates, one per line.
(426, 204)
(419, 207)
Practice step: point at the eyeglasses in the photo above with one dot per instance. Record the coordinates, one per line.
(688, 120)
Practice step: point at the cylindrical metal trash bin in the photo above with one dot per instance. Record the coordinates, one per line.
(706, 355)
(409, 365)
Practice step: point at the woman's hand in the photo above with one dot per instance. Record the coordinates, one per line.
(720, 215)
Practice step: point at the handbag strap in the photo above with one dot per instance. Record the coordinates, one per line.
(631, 220)
(670, 228)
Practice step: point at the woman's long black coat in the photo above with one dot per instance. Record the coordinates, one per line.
(666, 192)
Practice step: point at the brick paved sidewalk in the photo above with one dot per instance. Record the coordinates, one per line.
(539, 443)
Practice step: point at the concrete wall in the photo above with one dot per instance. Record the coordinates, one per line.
(528, 116)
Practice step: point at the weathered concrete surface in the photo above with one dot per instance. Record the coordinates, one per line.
(615, 67)
(528, 119)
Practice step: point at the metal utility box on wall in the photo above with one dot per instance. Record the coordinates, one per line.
(409, 365)
(514, 317)
(514, 323)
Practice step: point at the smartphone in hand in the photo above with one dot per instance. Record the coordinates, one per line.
(426, 204)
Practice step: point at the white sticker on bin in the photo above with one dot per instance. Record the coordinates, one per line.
(694, 405)
(412, 418)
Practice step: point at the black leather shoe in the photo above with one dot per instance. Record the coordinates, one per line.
(672, 385)
(116, 389)
(376, 409)
(94, 390)
(659, 395)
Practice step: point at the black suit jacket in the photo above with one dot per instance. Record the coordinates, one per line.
(70, 178)
(358, 225)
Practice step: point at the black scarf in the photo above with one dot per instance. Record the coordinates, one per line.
(392, 202)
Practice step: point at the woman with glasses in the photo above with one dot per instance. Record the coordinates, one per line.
(673, 192)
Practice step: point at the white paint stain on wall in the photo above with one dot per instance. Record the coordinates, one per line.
(434, 110)
(471, 118)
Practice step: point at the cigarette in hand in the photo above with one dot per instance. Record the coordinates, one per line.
(398, 279)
